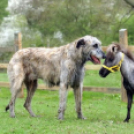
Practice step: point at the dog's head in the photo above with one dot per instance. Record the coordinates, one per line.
(91, 49)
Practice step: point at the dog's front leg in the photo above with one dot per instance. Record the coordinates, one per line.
(63, 97)
(78, 99)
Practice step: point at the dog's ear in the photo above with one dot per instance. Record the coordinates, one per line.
(81, 42)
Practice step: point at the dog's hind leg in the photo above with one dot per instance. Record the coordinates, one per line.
(31, 87)
(15, 90)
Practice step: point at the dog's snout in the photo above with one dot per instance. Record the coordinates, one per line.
(104, 56)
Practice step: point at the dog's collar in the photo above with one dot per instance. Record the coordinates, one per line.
(116, 67)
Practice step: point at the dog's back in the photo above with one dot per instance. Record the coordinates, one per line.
(34, 63)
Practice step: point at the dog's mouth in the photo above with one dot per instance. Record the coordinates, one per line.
(94, 59)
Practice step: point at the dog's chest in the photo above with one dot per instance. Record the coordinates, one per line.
(76, 77)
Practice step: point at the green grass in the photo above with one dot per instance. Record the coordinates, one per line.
(104, 112)
(93, 79)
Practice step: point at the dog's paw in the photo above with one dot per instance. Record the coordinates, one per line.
(61, 117)
(80, 116)
(83, 118)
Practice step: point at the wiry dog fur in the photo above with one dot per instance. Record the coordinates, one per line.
(62, 66)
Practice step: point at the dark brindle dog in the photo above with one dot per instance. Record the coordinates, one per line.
(62, 66)
(118, 58)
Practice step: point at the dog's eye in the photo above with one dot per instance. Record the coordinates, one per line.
(95, 45)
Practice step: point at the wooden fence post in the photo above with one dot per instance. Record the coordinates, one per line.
(18, 45)
(123, 39)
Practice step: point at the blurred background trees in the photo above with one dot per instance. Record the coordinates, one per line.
(57, 22)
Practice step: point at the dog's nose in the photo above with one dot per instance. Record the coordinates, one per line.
(104, 56)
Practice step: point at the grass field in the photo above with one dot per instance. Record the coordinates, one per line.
(104, 112)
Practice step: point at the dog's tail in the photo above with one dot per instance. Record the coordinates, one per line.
(7, 108)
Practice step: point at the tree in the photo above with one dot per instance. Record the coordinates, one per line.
(3, 12)
(73, 19)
